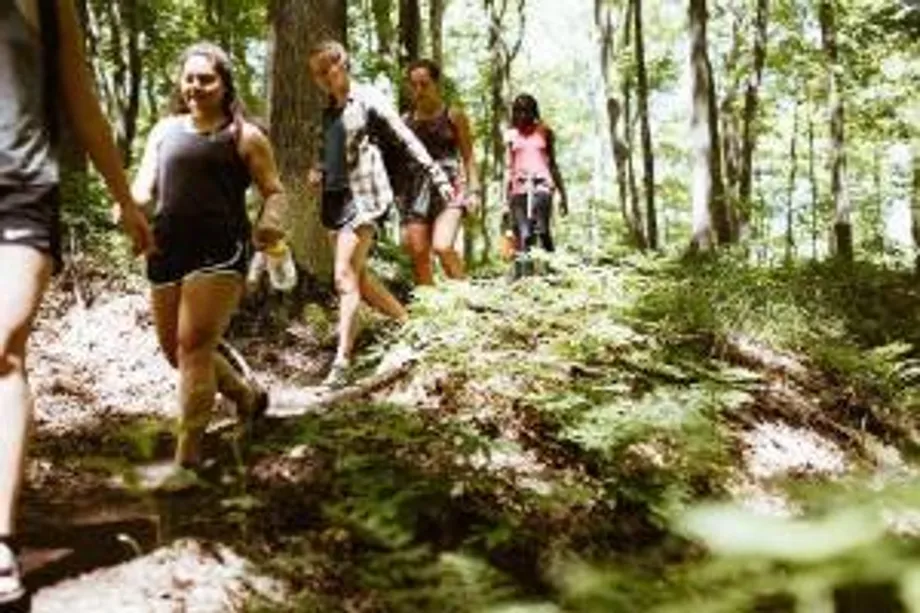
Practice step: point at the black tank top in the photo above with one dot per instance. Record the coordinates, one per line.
(437, 134)
(201, 179)
(27, 156)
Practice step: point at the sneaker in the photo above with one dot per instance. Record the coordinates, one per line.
(169, 479)
(338, 375)
(12, 590)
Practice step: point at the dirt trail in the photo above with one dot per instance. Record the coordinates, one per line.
(90, 544)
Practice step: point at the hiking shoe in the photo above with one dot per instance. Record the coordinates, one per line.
(12, 589)
(338, 376)
(255, 410)
(169, 479)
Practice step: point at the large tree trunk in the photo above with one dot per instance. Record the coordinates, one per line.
(709, 210)
(751, 100)
(648, 155)
(436, 26)
(296, 114)
(843, 228)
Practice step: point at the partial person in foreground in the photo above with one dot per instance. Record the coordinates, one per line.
(533, 178)
(356, 190)
(429, 222)
(197, 165)
(41, 62)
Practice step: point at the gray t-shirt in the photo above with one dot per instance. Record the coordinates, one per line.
(27, 156)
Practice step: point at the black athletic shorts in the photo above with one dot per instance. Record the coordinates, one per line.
(30, 215)
(185, 250)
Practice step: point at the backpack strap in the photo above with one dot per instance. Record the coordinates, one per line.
(48, 21)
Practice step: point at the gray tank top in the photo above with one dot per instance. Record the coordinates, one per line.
(201, 180)
(27, 156)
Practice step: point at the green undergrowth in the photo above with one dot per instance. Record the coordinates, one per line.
(553, 443)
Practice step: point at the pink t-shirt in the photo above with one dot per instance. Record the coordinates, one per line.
(529, 156)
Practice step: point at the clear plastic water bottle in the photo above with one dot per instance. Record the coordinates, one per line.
(282, 273)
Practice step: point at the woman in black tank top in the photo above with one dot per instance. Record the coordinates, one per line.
(430, 223)
(197, 165)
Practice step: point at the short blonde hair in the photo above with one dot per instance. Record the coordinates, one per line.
(332, 48)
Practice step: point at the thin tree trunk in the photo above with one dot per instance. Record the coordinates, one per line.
(631, 214)
(790, 190)
(915, 204)
(709, 211)
(648, 155)
(751, 100)
(296, 117)
(628, 123)
(843, 228)
(383, 25)
(436, 26)
(813, 180)
(410, 28)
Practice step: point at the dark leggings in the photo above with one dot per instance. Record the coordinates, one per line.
(534, 230)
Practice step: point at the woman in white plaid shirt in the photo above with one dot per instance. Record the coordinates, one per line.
(357, 192)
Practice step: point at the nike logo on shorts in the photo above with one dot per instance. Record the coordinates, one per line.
(13, 235)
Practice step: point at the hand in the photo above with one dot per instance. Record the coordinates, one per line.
(447, 192)
(266, 234)
(314, 178)
(564, 205)
(134, 223)
(473, 200)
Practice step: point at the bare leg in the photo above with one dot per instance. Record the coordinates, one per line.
(165, 303)
(21, 287)
(205, 309)
(444, 238)
(353, 282)
(417, 240)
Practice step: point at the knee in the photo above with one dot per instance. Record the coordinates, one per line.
(192, 347)
(12, 349)
(444, 251)
(346, 280)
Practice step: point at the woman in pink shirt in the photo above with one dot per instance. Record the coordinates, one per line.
(533, 175)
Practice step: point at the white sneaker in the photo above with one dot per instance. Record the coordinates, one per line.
(11, 587)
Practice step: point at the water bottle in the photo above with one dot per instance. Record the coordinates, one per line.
(280, 263)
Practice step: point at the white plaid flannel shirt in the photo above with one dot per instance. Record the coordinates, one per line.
(367, 175)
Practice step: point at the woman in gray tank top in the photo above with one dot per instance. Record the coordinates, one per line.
(196, 168)
(41, 54)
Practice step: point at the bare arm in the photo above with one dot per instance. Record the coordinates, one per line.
(465, 144)
(257, 152)
(554, 170)
(89, 124)
(413, 145)
(143, 189)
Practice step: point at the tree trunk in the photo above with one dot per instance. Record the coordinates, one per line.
(751, 101)
(648, 155)
(708, 199)
(296, 113)
(436, 26)
(915, 205)
(383, 26)
(410, 28)
(790, 190)
(628, 124)
(813, 180)
(843, 228)
(501, 58)
(632, 216)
